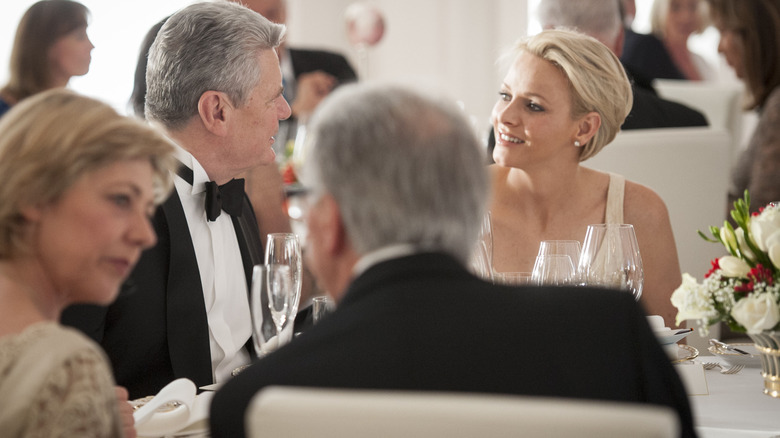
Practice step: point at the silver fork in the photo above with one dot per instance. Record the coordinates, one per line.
(734, 369)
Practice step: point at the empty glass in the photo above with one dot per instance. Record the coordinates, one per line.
(553, 270)
(570, 248)
(610, 258)
(320, 307)
(513, 278)
(264, 330)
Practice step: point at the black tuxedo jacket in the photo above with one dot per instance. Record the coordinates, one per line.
(305, 61)
(157, 331)
(425, 323)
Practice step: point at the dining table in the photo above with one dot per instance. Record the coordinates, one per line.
(734, 405)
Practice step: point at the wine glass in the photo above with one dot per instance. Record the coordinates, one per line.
(513, 278)
(482, 257)
(553, 270)
(570, 248)
(281, 295)
(610, 258)
(285, 249)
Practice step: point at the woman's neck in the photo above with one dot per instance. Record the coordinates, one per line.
(24, 299)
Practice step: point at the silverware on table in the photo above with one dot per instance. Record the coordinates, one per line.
(728, 347)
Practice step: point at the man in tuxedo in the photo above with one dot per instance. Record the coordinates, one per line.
(215, 87)
(396, 197)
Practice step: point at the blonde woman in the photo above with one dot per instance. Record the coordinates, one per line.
(75, 203)
(563, 99)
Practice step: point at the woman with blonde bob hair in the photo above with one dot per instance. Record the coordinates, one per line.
(563, 99)
(80, 183)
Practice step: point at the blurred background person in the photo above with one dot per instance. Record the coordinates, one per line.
(664, 53)
(75, 203)
(309, 75)
(138, 96)
(563, 99)
(750, 42)
(50, 47)
(601, 19)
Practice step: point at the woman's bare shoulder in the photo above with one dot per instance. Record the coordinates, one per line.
(642, 204)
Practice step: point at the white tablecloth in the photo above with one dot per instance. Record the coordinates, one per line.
(736, 407)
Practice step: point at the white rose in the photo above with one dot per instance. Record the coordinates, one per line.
(763, 226)
(733, 267)
(773, 248)
(691, 300)
(757, 312)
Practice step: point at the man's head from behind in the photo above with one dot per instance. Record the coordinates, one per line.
(597, 18)
(209, 46)
(389, 166)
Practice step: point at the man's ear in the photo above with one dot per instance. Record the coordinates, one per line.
(214, 110)
(588, 126)
(336, 240)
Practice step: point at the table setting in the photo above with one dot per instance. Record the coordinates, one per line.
(742, 290)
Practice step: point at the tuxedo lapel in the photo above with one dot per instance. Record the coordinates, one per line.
(252, 252)
(188, 332)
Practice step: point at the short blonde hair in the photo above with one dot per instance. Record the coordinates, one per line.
(660, 11)
(50, 140)
(596, 78)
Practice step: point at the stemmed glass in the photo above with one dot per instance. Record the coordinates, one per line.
(285, 249)
(570, 248)
(610, 258)
(265, 335)
(553, 270)
(482, 257)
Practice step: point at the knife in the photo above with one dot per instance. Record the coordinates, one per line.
(728, 347)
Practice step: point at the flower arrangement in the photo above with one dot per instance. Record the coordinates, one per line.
(742, 288)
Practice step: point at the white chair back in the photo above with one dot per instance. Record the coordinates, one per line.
(292, 412)
(721, 103)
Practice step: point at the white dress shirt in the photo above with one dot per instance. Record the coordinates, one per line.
(221, 274)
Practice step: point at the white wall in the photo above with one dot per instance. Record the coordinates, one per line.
(446, 45)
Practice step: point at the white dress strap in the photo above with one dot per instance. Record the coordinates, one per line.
(615, 195)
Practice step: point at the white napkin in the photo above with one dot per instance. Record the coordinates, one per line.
(191, 416)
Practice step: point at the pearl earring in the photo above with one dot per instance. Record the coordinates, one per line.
(577, 143)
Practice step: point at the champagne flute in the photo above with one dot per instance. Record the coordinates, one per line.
(285, 249)
(610, 258)
(553, 270)
(264, 332)
(280, 295)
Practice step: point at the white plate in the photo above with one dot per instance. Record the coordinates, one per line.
(680, 353)
(667, 337)
(733, 358)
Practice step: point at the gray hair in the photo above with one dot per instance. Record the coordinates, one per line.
(206, 46)
(403, 168)
(597, 18)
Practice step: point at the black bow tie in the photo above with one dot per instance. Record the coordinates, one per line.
(228, 196)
